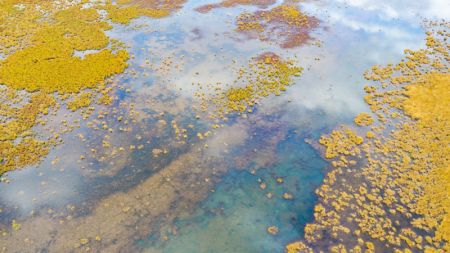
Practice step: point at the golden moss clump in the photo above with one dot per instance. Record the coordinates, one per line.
(239, 98)
(285, 25)
(126, 10)
(266, 75)
(16, 226)
(20, 120)
(167, 5)
(341, 142)
(80, 101)
(398, 200)
(49, 64)
(363, 119)
(124, 15)
(52, 68)
(18, 145)
(422, 95)
(298, 247)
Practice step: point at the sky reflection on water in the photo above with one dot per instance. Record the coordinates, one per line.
(169, 55)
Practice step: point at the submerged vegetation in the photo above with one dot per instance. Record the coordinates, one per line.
(398, 198)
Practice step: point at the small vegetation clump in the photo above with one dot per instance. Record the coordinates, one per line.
(363, 119)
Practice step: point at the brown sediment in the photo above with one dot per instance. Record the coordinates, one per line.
(120, 219)
(285, 25)
(268, 58)
(231, 3)
(390, 192)
(121, 216)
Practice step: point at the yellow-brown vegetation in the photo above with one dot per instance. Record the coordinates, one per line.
(285, 25)
(397, 198)
(38, 41)
(266, 75)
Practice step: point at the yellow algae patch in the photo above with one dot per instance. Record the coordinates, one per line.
(53, 69)
(18, 146)
(49, 65)
(297, 247)
(80, 101)
(38, 45)
(429, 98)
(363, 119)
(16, 155)
(231, 3)
(124, 15)
(285, 25)
(266, 75)
(156, 4)
(341, 142)
(16, 226)
(22, 119)
(398, 200)
(18, 24)
(238, 98)
(152, 8)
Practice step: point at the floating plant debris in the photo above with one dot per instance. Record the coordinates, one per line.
(398, 199)
(285, 25)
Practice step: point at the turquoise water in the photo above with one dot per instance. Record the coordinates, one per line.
(235, 217)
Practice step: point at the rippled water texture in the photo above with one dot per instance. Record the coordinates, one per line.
(214, 194)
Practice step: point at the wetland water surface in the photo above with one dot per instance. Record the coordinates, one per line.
(153, 171)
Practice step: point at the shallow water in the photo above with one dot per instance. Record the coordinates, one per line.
(234, 217)
(226, 210)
